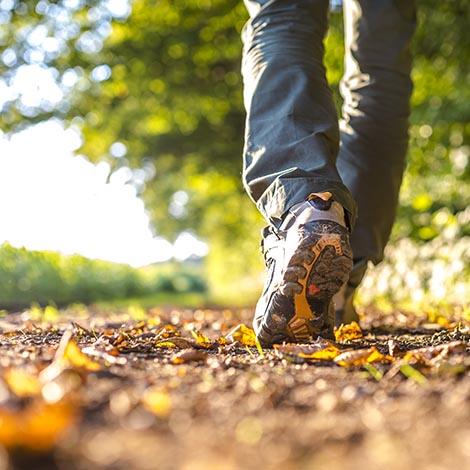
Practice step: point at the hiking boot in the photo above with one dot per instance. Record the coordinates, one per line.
(308, 259)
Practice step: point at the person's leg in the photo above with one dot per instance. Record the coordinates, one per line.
(376, 88)
(292, 137)
(291, 146)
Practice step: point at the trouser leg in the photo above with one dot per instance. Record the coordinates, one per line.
(376, 88)
(292, 135)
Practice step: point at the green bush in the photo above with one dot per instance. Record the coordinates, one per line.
(50, 278)
(422, 273)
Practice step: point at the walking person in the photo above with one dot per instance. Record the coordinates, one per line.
(327, 189)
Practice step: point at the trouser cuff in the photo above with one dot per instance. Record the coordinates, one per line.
(283, 193)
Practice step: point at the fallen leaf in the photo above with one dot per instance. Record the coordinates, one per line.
(201, 339)
(121, 338)
(175, 342)
(325, 354)
(21, 383)
(320, 350)
(167, 331)
(362, 356)
(243, 334)
(442, 321)
(166, 344)
(69, 353)
(75, 356)
(192, 355)
(10, 334)
(432, 354)
(36, 427)
(348, 332)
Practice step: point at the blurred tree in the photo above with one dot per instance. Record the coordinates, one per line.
(157, 92)
(436, 190)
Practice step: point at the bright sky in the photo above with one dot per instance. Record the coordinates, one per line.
(53, 200)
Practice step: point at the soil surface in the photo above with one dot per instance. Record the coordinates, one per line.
(179, 389)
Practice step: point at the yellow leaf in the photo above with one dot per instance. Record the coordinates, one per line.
(201, 339)
(165, 344)
(74, 355)
(21, 383)
(243, 335)
(443, 321)
(175, 342)
(157, 401)
(68, 353)
(362, 356)
(36, 427)
(320, 350)
(326, 354)
(348, 332)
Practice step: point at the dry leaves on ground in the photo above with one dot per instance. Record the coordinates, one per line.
(175, 367)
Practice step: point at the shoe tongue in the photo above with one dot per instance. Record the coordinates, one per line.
(299, 213)
(315, 208)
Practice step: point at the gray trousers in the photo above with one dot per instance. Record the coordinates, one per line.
(294, 144)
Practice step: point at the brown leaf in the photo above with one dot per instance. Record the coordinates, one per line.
(167, 331)
(192, 355)
(121, 339)
(432, 354)
(11, 334)
(362, 356)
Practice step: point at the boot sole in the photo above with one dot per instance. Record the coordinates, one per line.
(316, 271)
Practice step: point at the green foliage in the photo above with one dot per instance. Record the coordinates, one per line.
(45, 277)
(413, 273)
(436, 192)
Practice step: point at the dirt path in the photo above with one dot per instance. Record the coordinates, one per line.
(93, 391)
